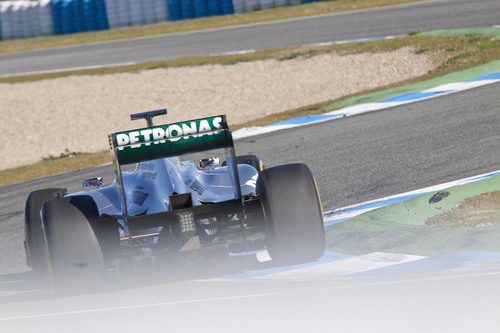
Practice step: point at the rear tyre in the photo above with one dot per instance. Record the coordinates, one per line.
(106, 230)
(294, 220)
(74, 253)
(36, 256)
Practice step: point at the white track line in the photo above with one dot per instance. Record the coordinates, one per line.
(246, 296)
(358, 109)
(62, 70)
(357, 209)
(331, 265)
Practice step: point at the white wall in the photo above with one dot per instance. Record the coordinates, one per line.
(239, 6)
(25, 18)
(22, 19)
(5, 21)
(45, 18)
(160, 10)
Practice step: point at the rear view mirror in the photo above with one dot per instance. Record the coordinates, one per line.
(208, 163)
(92, 182)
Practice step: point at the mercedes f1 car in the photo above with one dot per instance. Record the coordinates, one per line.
(169, 205)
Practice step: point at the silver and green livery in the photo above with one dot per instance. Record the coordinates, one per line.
(170, 205)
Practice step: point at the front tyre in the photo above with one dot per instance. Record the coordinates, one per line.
(292, 208)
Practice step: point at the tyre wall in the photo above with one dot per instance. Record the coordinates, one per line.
(33, 18)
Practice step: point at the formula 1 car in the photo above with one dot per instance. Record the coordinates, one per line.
(168, 205)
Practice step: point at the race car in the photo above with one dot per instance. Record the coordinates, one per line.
(170, 205)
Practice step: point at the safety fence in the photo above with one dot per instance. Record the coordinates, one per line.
(32, 18)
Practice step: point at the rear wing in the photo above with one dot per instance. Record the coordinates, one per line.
(170, 140)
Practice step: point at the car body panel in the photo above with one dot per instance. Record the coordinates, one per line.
(149, 187)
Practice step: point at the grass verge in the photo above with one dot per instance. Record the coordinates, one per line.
(52, 166)
(460, 218)
(309, 9)
(453, 54)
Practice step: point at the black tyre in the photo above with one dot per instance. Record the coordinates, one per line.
(250, 160)
(294, 220)
(36, 256)
(74, 252)
(106, 231)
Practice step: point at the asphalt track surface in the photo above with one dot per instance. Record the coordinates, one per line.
(434, 14)
(355, 159)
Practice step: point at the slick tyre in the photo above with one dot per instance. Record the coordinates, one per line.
(74, 254)
(294, 220)
(36, 256)
(106, 230)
